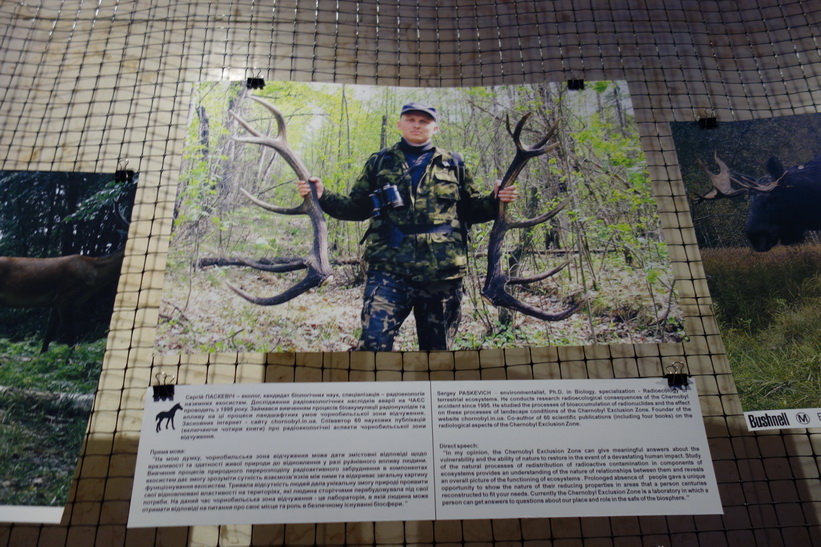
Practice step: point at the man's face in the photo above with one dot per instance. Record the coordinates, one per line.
(417, 128)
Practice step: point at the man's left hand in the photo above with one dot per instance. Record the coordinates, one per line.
(508, 195)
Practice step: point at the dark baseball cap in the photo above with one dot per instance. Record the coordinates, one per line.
(419, 107)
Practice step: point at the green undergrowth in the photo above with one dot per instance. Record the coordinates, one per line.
(769, 310)
(63, 368)
(44, 407)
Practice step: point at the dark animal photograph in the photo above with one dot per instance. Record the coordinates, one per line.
(317, 217)
(755, 194)
(62, 242)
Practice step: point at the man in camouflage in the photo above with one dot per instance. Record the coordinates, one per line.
(415, 249)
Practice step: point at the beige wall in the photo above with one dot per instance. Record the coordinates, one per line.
(84, 85)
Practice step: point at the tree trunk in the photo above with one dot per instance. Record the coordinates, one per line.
(204, 131)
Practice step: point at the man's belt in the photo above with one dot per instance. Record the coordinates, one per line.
(397, 233)
(417, 229)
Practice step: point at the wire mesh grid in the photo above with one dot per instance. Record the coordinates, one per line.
(85, 86)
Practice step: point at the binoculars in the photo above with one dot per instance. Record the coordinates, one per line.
(385, 197)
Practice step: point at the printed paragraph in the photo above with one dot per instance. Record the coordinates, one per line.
(206, 416)
(533, 408)
(470, 475)
(177, 481)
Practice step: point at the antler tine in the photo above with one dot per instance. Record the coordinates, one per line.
(752, 184)
(278, 143)
(517, 131)
(503, 298)
(538, 277)
(282, 128)
(248, 127)
(524, 153)
(537, 149)
(495, 290)
(317, 264)
(535, 221)
(722, 181)
(298, 210)
(289, 294)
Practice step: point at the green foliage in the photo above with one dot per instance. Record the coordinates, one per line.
(72, 368)
(53, 214)
(769, 310)
(97, 206)
(198, 189)
(780, 367)
(39, 446)
(748, 287)
(42, 423)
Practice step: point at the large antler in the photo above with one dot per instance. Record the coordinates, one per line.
(725, 182)
(494, 290)
(317, 263)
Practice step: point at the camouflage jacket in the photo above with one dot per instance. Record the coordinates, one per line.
(441, 198)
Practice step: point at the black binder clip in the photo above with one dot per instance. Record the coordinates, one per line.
(575, 85)
(255, 83)
(676, 379)
(164, 390)
(707, 121)
(122, 174)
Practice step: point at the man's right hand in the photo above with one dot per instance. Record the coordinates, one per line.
(305, 187)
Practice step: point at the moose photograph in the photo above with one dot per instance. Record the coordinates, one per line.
(62, 241)
(317, 217)
(755, 194)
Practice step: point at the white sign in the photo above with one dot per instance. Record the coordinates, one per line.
(31, 513)
(793, 418)
(361, 452)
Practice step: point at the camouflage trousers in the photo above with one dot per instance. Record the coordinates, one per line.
(389, 299)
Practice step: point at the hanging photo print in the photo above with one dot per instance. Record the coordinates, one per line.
(62, 241)
(325, 217)
(755, 191)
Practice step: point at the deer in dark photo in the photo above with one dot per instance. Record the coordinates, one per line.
(62, 283)
(783, 205)
(62, 240)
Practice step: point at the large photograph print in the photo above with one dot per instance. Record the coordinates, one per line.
(398, 238)
(62, 239)
(755, 189)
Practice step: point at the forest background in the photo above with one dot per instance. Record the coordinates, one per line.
(610, 232)
(46, 398)
(768, 305)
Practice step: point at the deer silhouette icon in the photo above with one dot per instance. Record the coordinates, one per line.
(168, 416)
